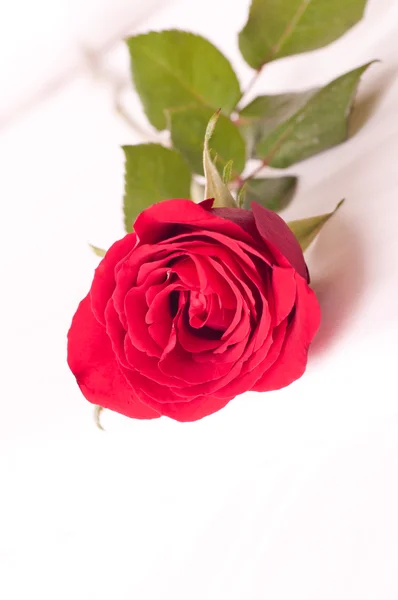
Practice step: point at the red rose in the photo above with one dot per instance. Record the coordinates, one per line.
(195, 307)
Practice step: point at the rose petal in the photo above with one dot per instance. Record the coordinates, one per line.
(277, 235)
(189, 411)
(197, 309)
(233, 333)
(214, 283)
(167, 218)
(218, 317)
(241, 217)
(234, 249)
(292, 360)
(179, 363)
(249, 363)
(284, 292)
(154, 290)
(146, 268)
(146, 365)
(136, 310)
(255, 367)
(144, 387)
(126, 277)
(93, 363)
(115, 331)
(161, 302)
(187, 272)
(207, 203)
(190, 340)
(104, 277)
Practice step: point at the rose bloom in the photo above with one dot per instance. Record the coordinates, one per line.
(196, 306)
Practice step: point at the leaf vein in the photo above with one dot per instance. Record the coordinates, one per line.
(181, 82)
(288, 31)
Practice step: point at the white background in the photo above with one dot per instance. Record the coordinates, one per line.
(280, 496)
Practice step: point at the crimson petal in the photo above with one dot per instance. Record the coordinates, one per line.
(284, 292)
(93, 363)
(104, 277)
(136, 309)
(282, 242)
(189, 411)
(159, 221)
(292, 360)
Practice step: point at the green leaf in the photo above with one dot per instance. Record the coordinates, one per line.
(174, 68)
(227, 172)
(306, 123)
(285, 27)
(188, 128)
(153, 173)
(241, 197)
(97, 251)
(306, 230)
(274, 193)
(215, 188)
(265, 113)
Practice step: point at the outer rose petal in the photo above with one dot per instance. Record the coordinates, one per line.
(284, 292)
(281, 241)
(292, 360)
(93, 363)
(240, 216)
(104, 278)
(190, 411)
(164, 220)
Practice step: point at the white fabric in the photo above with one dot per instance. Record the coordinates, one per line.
(291, 494)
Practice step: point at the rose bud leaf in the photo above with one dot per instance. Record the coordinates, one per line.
(188, 127)
(283, 28)
(98, 251)
(215, 187)
(306, 230)
(241, 197)
(152, 173)
(227, 172)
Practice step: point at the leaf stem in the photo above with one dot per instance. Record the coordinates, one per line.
(97, 416)
(251, 83)
(276, 48)
(255, 171)
(266, 161)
